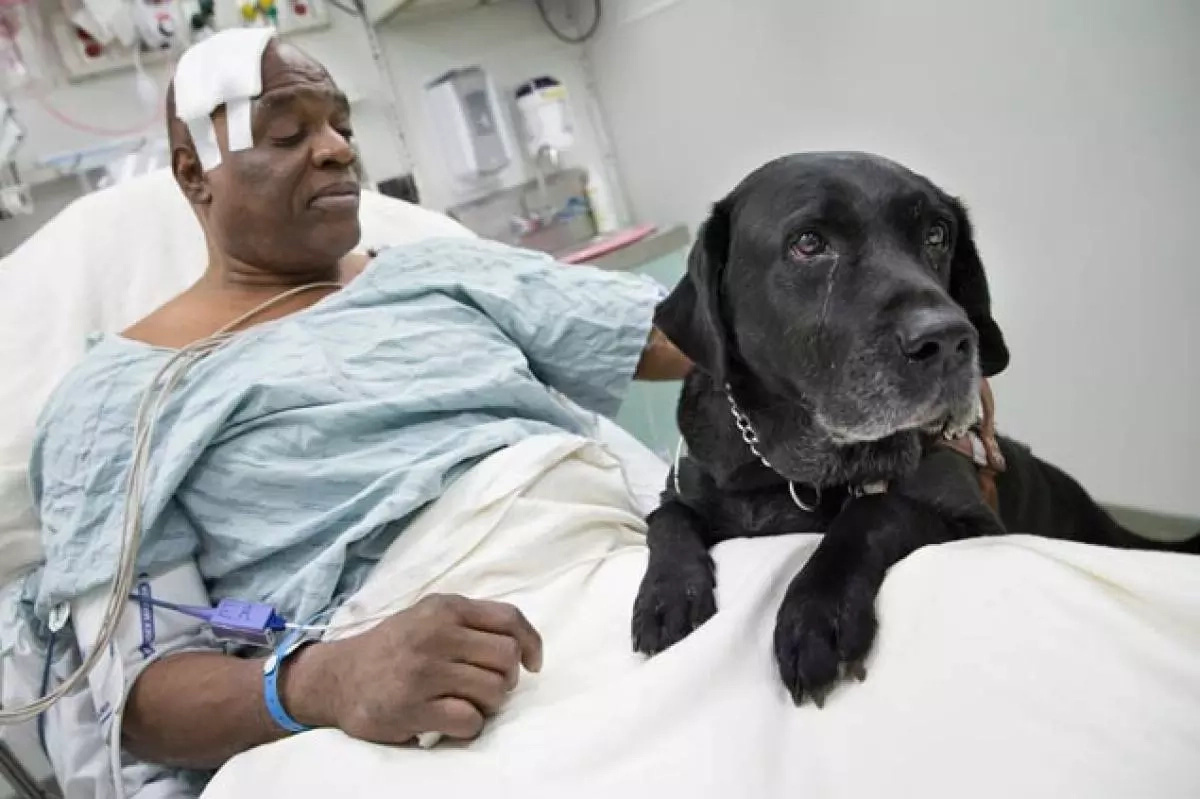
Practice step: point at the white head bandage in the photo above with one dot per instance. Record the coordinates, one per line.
(224, 69)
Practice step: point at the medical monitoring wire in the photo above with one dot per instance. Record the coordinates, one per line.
(151, 405)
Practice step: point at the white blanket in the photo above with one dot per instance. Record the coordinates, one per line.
(1012, 667)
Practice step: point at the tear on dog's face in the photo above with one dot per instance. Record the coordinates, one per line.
(847, 284)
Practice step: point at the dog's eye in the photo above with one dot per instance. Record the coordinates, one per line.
(938, 235)
(808, 245)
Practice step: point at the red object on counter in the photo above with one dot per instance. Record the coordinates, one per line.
(609, 243)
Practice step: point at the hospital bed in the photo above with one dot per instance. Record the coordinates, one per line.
(1004, 667)
(99, 265)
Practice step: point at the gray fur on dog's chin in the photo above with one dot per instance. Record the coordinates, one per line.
(953, 417)
(872, 394)
(877, 435)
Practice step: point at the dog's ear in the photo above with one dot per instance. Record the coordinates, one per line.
(690, 316)
(969, 288)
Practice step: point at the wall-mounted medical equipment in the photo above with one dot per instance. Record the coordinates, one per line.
(546, 122)
(94, 37)
(101, 36)
(14, 193)
(20, 46)
(469, 124)
(285, 16)
(11, 132)
(158, 24)
(548, 130)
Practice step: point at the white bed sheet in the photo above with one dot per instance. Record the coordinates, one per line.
(1005, 667)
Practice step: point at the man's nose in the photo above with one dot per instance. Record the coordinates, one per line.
(936, 339)
(333, 149)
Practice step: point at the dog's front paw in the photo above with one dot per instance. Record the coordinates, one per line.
(822, 635)
(673, 600)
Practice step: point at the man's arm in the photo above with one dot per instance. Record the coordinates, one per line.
(443, 665)
(198, 709)
(662, 360)
(582, 330)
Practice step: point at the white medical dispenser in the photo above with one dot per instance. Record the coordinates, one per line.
(468, 122)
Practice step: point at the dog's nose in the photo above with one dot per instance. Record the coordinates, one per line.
(937, 338)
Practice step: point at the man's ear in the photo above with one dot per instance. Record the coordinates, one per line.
(969, 288)
(189, 174)
(690, 316)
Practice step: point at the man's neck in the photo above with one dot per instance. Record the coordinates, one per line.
(226, 292)
(232, 277)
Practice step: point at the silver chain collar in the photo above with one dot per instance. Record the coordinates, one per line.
(750, 436)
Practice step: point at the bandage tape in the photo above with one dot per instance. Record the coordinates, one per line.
(223, 70)
(204, 137)
(237, 113)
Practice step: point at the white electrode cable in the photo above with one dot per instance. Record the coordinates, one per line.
(147, 416)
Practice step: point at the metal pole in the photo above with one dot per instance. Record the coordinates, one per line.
(392, 100)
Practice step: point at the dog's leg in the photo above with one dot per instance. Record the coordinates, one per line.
(677, 594)
(826, 623)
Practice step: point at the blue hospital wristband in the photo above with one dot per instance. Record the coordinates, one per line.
(271, 669)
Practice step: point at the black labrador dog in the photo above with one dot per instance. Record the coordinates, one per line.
(839, 317)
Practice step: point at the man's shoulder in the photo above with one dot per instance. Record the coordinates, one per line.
(454, 261)
(175, 324)
(452, 252)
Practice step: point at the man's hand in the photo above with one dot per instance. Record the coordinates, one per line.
(444, 665)
(662, 360)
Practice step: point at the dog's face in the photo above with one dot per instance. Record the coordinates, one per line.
(847, 283)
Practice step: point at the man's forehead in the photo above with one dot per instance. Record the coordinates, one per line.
(285, 65)
(237, 76)
(286, 96)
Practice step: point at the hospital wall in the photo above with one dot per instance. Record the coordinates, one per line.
(508, 39)
(1071, 128)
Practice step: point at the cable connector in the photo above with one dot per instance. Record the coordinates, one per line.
(250, 622)
(232, 619)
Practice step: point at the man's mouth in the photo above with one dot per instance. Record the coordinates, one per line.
(337, 196)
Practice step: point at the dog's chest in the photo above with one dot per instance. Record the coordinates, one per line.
(771, 512)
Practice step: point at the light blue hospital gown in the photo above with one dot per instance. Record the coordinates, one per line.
(287, 462)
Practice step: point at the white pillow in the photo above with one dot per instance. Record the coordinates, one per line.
(101, 264)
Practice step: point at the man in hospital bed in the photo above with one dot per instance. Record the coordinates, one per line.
(289, 461)
(404, 459)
